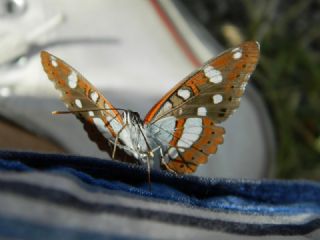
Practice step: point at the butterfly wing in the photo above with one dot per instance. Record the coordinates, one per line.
(78, 94)
(184, 119)
(186, 142)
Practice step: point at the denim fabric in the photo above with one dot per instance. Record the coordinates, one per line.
(269, 197)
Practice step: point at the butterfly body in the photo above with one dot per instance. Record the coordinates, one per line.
(180, 131)
(139, 146)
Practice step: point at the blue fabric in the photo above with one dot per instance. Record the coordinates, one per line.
(268, 197)
(20, 229)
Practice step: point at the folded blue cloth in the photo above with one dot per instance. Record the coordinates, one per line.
(82, 197)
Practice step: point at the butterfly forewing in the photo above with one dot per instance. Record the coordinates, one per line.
(207, 96)
(79, 95)
(214, 90)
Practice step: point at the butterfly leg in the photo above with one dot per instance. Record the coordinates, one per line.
(163, 163)
(116, 141)
(151, 152)
(149, 174)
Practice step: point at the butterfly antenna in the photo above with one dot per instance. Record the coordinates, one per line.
(85, 110)
(60, 112)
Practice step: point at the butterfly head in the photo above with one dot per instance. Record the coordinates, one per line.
(132, 118)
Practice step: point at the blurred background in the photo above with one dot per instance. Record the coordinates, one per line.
(134, 51)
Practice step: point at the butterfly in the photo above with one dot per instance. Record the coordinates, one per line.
(180, 131)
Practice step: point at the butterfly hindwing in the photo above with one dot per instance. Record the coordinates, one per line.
(187, 142)
(208, 96)
(78, 94)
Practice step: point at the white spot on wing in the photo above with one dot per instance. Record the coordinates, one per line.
(78, 103)
(54, 61)
(184, 93)
(202, 111)
(217, 98)
(191, 132)
(167, 106)
(94, 96)
(173, 153)
(72, 80)
(214, 75)
(193, 122)
(237, 53)
(91, 113)
(187, 139)
(181, 149)
(183, 144)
